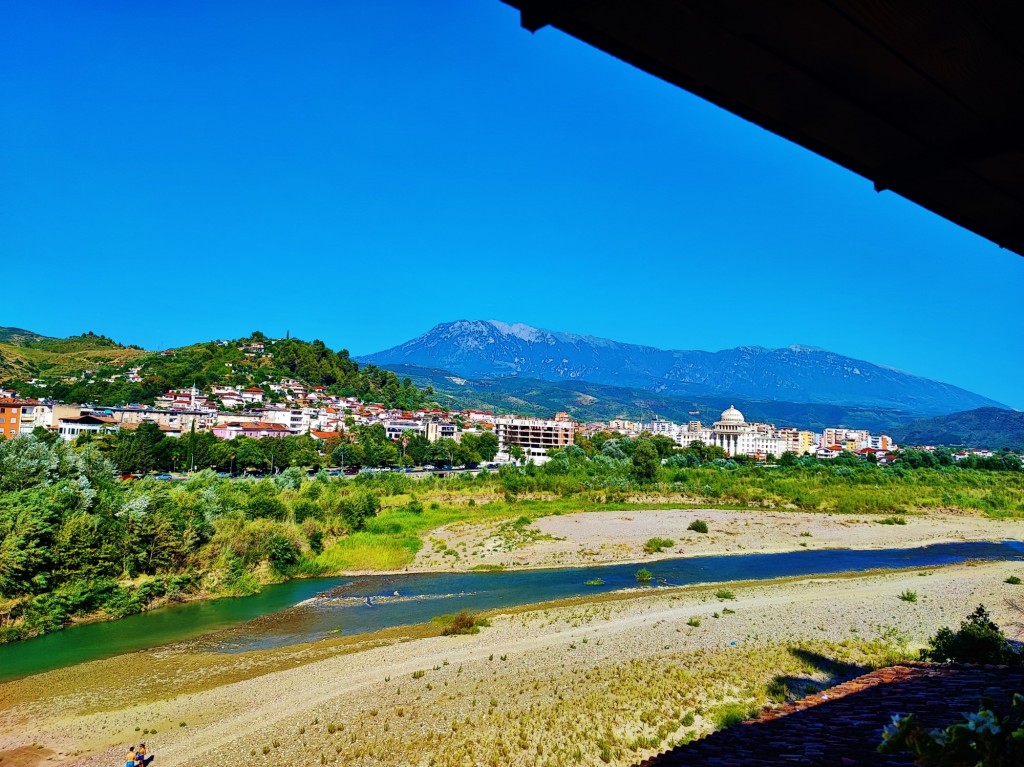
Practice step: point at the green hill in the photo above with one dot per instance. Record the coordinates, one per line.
(27, 355)
(91, 368)
(18, 336)
(987, 427)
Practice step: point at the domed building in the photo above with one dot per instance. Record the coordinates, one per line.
(728, 429)
(735, 436)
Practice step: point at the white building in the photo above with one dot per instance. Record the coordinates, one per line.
(295, 419)
(737, 437)
(70, 429)
(396, 427)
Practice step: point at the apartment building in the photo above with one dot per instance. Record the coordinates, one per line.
(10, 416)
(441, 430)
(534, 435)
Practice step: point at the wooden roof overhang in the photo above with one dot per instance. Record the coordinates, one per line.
(922, 97)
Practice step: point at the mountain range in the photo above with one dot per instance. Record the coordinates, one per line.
(498, 352)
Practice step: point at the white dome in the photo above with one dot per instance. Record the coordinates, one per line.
(732, 415)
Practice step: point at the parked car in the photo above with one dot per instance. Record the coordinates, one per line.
(164, 477)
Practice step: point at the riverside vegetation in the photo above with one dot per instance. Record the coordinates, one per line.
(75, 541)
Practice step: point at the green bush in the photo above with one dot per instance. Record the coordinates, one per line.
(908, 596)
(644, 575)
(698, 526)
(1013, 580)
(978, 640)
(657, 545)
(463, 622)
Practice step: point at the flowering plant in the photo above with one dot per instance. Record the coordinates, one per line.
(982, 739)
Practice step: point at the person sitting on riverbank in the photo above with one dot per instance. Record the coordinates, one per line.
(129, 758)
(141, 756)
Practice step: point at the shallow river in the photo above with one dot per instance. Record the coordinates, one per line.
(319, 607)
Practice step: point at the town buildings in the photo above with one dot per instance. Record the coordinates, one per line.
(293, 408)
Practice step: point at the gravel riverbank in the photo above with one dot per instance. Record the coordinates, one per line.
(611, 680)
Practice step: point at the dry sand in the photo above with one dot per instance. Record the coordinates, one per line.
(599, 537)
(609, 681)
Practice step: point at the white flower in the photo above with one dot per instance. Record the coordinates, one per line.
(891, 730)
(983, 721)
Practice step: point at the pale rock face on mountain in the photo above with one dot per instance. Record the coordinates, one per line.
(493, 349)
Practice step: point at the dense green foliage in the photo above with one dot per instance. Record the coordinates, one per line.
(75, 540)
(147, 449)
(978, 640)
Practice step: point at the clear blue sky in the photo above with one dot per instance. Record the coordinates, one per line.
(360, 171)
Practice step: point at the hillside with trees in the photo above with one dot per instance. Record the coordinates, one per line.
(92, 368)
(986, 427)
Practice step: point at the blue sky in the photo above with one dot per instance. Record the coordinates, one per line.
(361, 171)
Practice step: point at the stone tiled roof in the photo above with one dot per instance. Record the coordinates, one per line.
(841, 726)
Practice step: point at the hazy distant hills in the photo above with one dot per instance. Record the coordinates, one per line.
(496, 351)
(985, 427)
(600, 402)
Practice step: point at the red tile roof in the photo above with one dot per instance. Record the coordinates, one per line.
(842, 725)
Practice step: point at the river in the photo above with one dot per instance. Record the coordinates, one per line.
(313, 608)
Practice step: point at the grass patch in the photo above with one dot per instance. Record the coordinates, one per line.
(462, 622)
(733, 713)
(724, 594)
(594, 582)
(909, 596)
(370, 551)
(488, 568)
(894, 520)
(657, 545)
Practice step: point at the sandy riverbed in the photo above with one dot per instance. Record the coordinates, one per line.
(611, 681)
(618, 536)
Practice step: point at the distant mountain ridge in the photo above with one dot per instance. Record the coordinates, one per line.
(985, 427)
(492, 349)
(586, 401)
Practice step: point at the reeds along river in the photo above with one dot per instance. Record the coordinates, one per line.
(306, 610)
